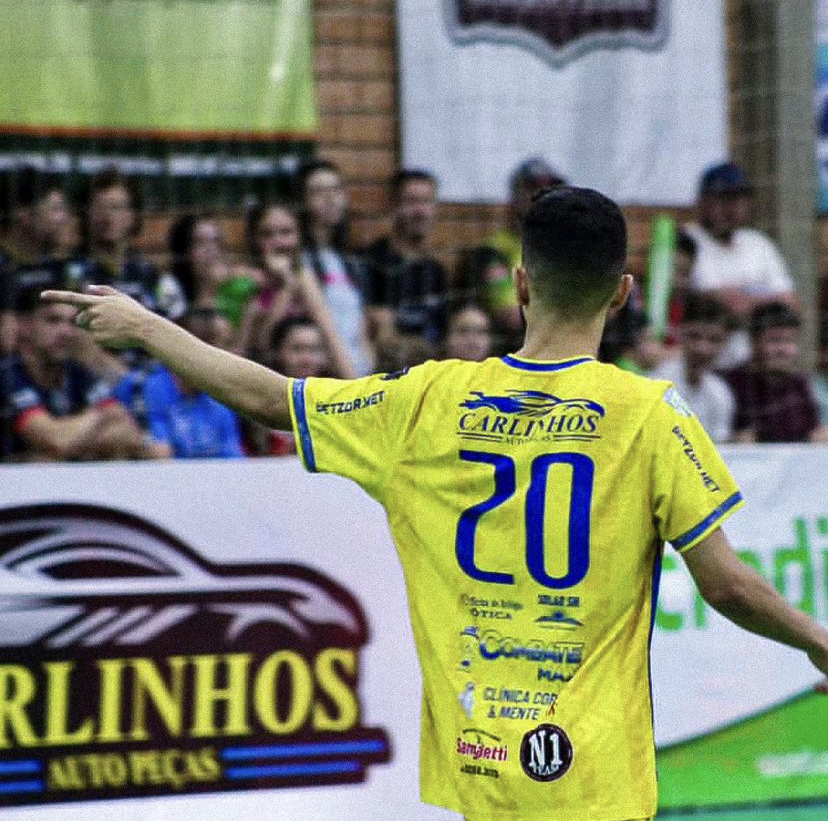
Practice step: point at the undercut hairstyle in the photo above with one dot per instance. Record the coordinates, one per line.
(773, 315)
(406, 175)
(574, 250)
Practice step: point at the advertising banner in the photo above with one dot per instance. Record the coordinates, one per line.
(737, 722)
(175, 90)
(625, 96)
(230, 639)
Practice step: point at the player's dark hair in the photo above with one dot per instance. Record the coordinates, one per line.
(773, 315)
(705, 309)
(574, 250)
(403, 177)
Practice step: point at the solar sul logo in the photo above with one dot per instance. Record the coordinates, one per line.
(559, 30)
(130, 666)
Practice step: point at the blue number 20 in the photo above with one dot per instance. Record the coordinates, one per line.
(583, 471)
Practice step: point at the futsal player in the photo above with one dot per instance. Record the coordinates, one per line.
(529, 497)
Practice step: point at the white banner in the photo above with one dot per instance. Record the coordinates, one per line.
(626, 96)
(140, 572)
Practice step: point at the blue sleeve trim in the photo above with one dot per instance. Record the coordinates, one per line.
(302, 422)
(690, 535)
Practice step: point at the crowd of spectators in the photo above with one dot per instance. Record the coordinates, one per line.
(303, 299)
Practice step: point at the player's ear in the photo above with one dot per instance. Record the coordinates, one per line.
(622, 292)
(520, 281)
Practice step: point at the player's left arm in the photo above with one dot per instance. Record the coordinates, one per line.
(741, 595)
(117, 321)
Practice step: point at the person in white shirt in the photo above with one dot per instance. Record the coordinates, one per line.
(703, 334)
(738, 265)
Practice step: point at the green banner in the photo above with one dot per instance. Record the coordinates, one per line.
(182, 89)
(776, 757)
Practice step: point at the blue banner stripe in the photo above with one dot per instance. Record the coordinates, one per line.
(21, 786)
(293, 770)
(297, 750)
(302, 421)
(703, 525)
(16, 767)
(545, 366)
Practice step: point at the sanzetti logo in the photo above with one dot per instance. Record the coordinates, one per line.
(560, 30)
(131, 666)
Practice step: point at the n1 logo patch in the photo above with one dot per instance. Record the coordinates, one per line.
(546, 753)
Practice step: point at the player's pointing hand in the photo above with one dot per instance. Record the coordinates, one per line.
(111, 318)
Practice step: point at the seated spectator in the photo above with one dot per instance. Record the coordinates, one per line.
(738, 265)
(530, 177)
(297, 350)
(112, 220)
(476, 269)
(290, 288)
(405, 284)
(683, 259)
(774, 402)
(191, 423)
(469, 334)
(702, 335)
(203, 271)
(37, 242)
(58, 409)
(38, 222)
(627, 340)
(326, 251)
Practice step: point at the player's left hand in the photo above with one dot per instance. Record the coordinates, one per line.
(109, 316)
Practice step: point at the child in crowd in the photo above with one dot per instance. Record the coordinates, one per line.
(702, 335)
(297, 349)
(774, 402)
(190, 422)
(469, 334)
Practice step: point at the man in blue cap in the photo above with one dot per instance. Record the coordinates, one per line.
(738, 265)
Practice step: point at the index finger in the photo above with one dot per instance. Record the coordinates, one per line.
(70, 298)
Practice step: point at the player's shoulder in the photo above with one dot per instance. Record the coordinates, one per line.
(632, 384)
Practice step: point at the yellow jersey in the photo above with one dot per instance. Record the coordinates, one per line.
(529, 502)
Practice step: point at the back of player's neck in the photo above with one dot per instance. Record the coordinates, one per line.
(552, 339)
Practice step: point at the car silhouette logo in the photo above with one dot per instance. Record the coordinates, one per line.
(109, 621)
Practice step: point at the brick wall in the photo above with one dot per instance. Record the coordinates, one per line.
(357, 91)
(356, 84)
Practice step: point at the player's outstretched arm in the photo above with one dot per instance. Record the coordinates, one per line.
(115, 320)
(740, 594)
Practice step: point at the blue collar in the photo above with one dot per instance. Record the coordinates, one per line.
(535, 365)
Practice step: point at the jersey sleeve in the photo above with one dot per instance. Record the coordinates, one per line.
(356, 427)
(693, 491)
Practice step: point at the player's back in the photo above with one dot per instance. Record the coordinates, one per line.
(528, 502)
